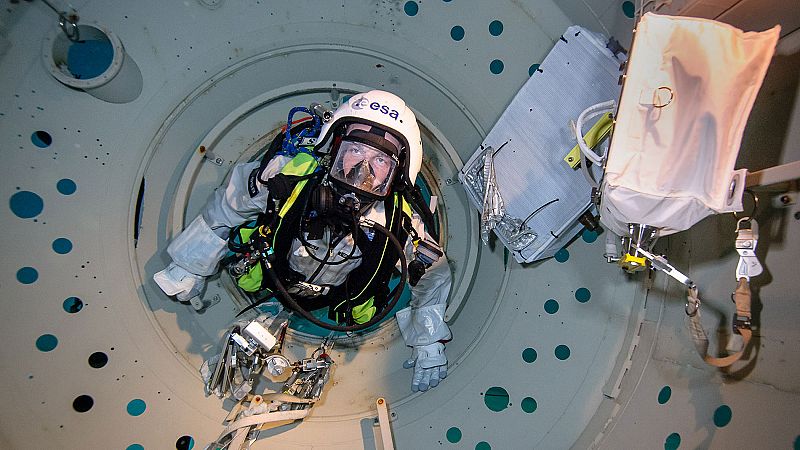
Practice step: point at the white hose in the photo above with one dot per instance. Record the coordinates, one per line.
(588, 113)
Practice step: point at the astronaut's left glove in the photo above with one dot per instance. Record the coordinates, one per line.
(430, 366)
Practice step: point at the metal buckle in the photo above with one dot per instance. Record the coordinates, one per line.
(741, 322)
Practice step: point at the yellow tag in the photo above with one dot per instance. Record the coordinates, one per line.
(633, 263)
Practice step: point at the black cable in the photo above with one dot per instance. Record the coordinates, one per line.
(291, 303)
(331, 246)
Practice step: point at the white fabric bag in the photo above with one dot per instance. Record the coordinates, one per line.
(690, 86)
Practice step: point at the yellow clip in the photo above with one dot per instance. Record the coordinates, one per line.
(597, 133)
(633, 263)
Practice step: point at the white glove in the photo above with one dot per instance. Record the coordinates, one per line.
(430, 366)
(184, 285)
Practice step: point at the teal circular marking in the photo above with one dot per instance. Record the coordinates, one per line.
(184, 443)
(411, 8)
(496, 398)
(551, 306)
(589, 236)
(529, 405)
(797, 443)
(583, 295)
(27, 275)
(562, 352)
(672, 442)
(483, 445)
(73, 305)
(457, 33)
(41, 139)
(135, 447)
(562, 255)
(532, 69)
(496, 67)
(136, 407)
(628, 9)
(26, 204)
(62, 246)
(664, 395)
(496, 28)
(722, 416)
(66, 186)
(453, 435)
(46, 342)
(529, 355)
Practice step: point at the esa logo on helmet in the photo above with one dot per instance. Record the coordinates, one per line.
(363, 102)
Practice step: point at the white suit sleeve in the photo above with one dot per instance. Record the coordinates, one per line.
(234, 205)
(201, 246)
(422, 323)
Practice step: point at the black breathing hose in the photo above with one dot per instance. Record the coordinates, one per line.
(291, 303)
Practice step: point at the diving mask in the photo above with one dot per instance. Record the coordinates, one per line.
(364, 168)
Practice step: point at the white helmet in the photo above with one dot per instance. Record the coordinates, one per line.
(388, 112)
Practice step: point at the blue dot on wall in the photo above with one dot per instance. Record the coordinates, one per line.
(672, 442)
(453, 435)
(797, 443)
(41, 139)
(589, 236)
(26, 204)
(136, 407)
(529, 355)
(27, 275)
(532, 69)
(496, 398)
(496, 28)
(562, 352)
(722, 416)
(551, 306)
(562, 255)
(664, 395)
(411, 8)
(528, 405)
(135, 447)
(628, 9)
(483, 445)
(184, 443)
(583, 295)
(46, 342)
(66, 186)
(62, 246)
(496, 66)
(72, 305)
(457, 33)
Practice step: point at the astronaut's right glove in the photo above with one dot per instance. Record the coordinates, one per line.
(184, 285)
(430, 366)
(195, 253)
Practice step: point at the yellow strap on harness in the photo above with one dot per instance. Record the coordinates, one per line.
(302, 164)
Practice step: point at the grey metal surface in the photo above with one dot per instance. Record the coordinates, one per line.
(532, 137)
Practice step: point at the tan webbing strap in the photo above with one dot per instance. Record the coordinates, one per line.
(258, 419)
(742, 299)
